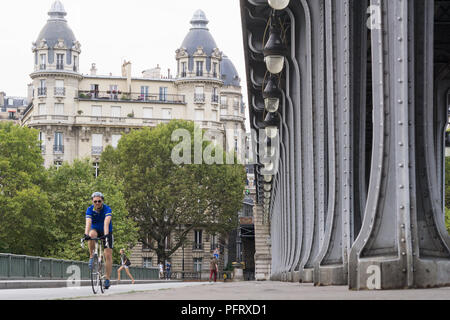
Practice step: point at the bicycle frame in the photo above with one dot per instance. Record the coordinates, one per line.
(97, 272)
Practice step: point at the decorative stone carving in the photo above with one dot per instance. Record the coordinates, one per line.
(60, 44)
(181, 53)
(200, 52)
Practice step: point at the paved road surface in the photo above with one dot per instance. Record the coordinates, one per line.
(266, 290)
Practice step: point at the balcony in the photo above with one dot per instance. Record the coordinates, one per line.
(42, 67)
(97, 151)
(42, 92)
(131, 97)
(60, 92)
(197, 246)
(59, 66)
(199, 98)
(58, 149)
(215, 99)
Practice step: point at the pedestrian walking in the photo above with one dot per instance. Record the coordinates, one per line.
(214, 269)
(125, 264)
(168, 269)
(161, 270)
(216, 253)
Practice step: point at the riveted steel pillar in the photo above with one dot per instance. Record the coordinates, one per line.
(403, 242)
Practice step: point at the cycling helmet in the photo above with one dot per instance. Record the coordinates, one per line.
(97, 194)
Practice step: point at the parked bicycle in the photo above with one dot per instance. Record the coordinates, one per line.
(97, 272)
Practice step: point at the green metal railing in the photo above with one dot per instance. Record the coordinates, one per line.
(18, 267)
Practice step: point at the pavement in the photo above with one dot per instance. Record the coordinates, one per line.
(246, 290)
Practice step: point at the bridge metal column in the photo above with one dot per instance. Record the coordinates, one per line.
(403, 242)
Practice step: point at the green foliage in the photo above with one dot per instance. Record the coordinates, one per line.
(163, 196)
(69, 189)
(25, 211)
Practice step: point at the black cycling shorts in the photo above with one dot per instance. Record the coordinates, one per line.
(107, 243)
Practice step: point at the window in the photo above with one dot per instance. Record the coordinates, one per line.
(10, 101)
(167, 114)
(43, 64)
(148, 113)
(42, 90)
(197, 264)
(223, 112)
(147, 263)
(115, 111)
(58, 147)
(167, 244)
(97, 144)
(215, 69)
(183, 69)
(223, 101)
(96, 111)
(75, 63)
(199, 115)
(199, 95)
(115, 140)
(215, 96)
(57, 164)
(94, 90)
(113, 92)
(42, 141)
(59, 88)
(199, 68)
(198, 240)
(162, 94)
(215, 116)
(59, 109)
(42, 109)
(59, 61)
(144, 93)
(96, 169)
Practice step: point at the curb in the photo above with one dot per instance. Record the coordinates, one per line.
(42, 284)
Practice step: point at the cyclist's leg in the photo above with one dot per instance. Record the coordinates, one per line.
(108, 260)
(93, 234)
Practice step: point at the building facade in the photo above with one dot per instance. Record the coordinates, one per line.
(11, 107)
(79, 115)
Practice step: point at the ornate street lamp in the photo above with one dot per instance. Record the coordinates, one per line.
(278, 4)
(272, 94)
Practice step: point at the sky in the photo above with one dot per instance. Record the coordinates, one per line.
(145, 32)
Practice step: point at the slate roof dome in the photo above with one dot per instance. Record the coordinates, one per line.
(199, 35)
(229, 73)
(57, 27)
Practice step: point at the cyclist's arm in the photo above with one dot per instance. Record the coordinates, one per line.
(88, 225)
(106, 225)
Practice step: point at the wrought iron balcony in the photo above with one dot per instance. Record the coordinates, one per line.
(97, 150)
(93, 95)
(215, 98)
(60, 66)
(42, 67)
(58, 149)
(60, 92)
(197, 246)
(199, 98)
(42, 92)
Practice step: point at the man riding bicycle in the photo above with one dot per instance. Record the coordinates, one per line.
(98, 224)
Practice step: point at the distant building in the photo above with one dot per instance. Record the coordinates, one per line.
(11, 107)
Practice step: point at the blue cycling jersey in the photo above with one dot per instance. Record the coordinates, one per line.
(98, 218)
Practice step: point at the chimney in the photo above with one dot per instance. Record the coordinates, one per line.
(93, 70)
(2, 99)
(126, 72)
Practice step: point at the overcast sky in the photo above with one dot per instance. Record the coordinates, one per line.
(145, 32)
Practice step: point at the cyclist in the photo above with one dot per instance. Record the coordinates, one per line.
(98, 224)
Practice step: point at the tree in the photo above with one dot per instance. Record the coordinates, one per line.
(25, 215)
(170, 199)
(69, 189)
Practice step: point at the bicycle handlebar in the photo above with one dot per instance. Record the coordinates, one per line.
(91, 239)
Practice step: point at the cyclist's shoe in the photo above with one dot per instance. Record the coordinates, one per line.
(107, 284)
(91, 262)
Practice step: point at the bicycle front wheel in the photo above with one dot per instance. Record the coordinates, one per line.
(102, 273)
(96, 281)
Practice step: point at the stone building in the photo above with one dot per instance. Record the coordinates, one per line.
(79, 115)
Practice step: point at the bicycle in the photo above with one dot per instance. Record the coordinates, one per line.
(97, 272)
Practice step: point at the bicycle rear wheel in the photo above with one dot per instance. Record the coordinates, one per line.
(96, 281)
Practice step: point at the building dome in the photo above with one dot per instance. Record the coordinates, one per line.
(57, 28)
(229, 73)
(199, 36)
